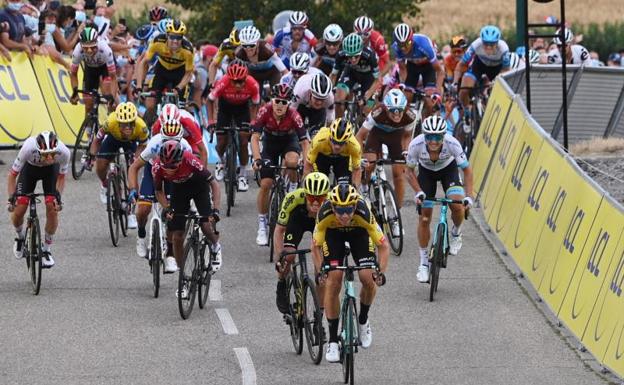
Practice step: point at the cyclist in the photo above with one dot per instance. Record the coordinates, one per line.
(299, 66)
(234, 92)
(355, 64)
(391, 124)
(327, 50)
(417, 59)
(157, 13)
(336, 146)
(575, 53)
(486, 57)
(226, 50)
(297, 215)
(259, 56)
(189, 179)
(345, 217)
(515, 61)
(314, 100)
(437, 156)
(44, 158)
(99, 65)
(458, 44)
(122, 129)
(294, 38)
(373, 39)
(283, 136)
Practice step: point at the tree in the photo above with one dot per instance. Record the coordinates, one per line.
(213, 19)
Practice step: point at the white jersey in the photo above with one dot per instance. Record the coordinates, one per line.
(290, 79)
(417, 154)
(302, 94)
(580, 55)
(153, 147)
(29, 153)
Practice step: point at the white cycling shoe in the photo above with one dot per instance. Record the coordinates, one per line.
(455, 244)
(242, 184)
(332, 354)
(103, 195)
(132, 221)
(366, 335)
(170, 265)
(219, 171)
(141, 247)
(423, 274)
(262, 238)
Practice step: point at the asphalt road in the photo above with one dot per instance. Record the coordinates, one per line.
(96, 322)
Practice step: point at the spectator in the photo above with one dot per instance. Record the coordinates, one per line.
(65, 19)
(4, 26)
(596, 59)
(614, 60)
(48, 46)
(15, 37)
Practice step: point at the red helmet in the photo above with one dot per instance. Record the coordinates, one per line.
(282, 91)
(169, 112)
(237, 70)
(209, 50)
(171, 152)
(157, 13)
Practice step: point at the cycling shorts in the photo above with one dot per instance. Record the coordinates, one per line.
(92, 76)
(274, 147)
(478, 69)
(340, 165)
(392, 140)
(362, 247)
(30, 175)
(110, 147)
(416, 72)
(314, 119)
(298, 223)
(168, 79)
(448, 176)
(198, 189)
(227, 112)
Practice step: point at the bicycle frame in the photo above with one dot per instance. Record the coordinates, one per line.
(156, 219)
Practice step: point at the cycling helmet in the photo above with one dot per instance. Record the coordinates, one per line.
(144, 32)
(403, 33)
(172, 130)
(332, 33)
(126, 112)
(162, 25)
(282, 91)
(47, 142)
(521, 51)
(459, 41)
(234, 37)
(298, 19)
(343, 195)
(157, 13)
(237, 70)
(209, 50)
(300, 61)
(490, 34)
(171, 152)
(395, 100)
(169, 112)
(534, 56)
(514, 60)
(340, 130)
(434, 124)
(176, 27)
(316, 183)
(353, 45)
(363, 25)
(568, 36)
(321, 86)
(89, 35)
(249, 35)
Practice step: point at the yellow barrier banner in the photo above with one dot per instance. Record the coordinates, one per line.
(23, 112)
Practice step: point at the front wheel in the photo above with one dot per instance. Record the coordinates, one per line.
(296, 310)
(80, 152)
(436, 260)
(275, 200)
(392, 224)
(187, 281)
(113, 205)
(205, 268)
(348, 341)
(231, 181)
(35, 255)
(155, 257)
(313, 321)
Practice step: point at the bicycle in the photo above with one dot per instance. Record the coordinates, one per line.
(479, 96)
(439, 251)
(117, 204)
(164, 97)
(304, 316)
(80, 158)
(157, 243)
(353, 109)
(195, 272)
(384, 205)
(231, 155)
(349, 339)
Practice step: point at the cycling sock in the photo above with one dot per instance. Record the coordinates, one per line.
(456, 230)
(21, 234)
(47, 242)
(333, 329)
(169, 249)
(424, 256)
(322, 311)
(363, 317)
(262, 218)
(141, 232)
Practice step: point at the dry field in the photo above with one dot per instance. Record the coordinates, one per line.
(599, 146)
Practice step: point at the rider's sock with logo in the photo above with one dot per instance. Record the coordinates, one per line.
(20, 231)
(456, 230)
(424, 256)
(333, 329)
(262, 219)
(141, 232)
(363, 317)
(48, 241)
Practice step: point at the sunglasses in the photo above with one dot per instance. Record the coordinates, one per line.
(171, 166)
(47, 155)
(297, 72)
(337, 143)
(405, 44)
(89, 47)
(344, 210)
(126, 126)
(332, 43)
(354, 57)
(396, 110)
(457, 51)
(434, 137)
(238, 81)
(490, 45)
(316, 198)
(283, 102)
(174, 37)
(364, 34)
(249, 46)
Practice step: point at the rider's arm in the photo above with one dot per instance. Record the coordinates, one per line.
(216, 194)
(278, 238)
(410, 175)
(60, 183)
(439, 75)
(255, 145)
(305, 147)
(11, 183)
(142, 66)
(459, 71)
(202, 152)
(468, 180)
(133, 173)
(361, 136)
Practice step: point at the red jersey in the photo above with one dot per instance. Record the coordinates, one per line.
(290, 123)
(190, 166)
(449, 66)
(192, 131)
(378, 44)
(226, 90)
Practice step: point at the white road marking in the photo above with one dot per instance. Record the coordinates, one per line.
(248, 371)
(226, 321)
(215, 290)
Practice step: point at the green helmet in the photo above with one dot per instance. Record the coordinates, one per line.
(352, 45)
(88, 35)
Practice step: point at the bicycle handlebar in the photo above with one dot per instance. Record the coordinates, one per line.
(442, 201)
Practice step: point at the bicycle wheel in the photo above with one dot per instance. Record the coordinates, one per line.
(349, 341)
(275, 201)
(123, 198)
(81, 146)
(230, 175)
(34, 257)
(187, 280)
(206, 273)
(296, 310)
(392, 217)
(112, 207)
(155, 257)
(313, 321)
(436, 260)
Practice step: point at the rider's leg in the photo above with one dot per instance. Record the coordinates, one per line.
(291, 159)
(342, 93)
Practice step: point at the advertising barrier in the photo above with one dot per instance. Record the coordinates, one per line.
(564, 232)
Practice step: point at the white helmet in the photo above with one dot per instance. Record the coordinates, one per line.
(321, 86)
(363, 25)
(402, 33)
(395, 100)
(169, 112)
(534, 56)
(300, 61)
(47, 142)
(568, 35)
(434, 124)
(514, 60)
(332, 33)
(298, 19)
(249, 35)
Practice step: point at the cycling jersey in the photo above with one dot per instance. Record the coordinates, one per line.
(366, 65)
(183, 57)
(326, 63)
(266, 59)
(111, 127)
(226, 49)
(103, 57)
(29, 154)
(499, 57)
(290, 79)
(303, 93)
(362, 218)
(378, 44)
(293, 201)
(192, 130)
(153, 147)
(225, 90)
(284, 42)
(321, 145)
(580, 55)
(450, 63)
(379, 118)
(422, 52)
(417, 154)
(189, 166)
(290, 123)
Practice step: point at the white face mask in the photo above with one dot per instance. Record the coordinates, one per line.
(15, 6)
(32, 23)
(50, 28)
(81, 17)
(100, 21)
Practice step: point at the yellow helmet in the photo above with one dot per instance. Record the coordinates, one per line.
(341, 130)
(343, 195)
(126, 112)
(316, 183)
(234, 39)
(176, 27)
